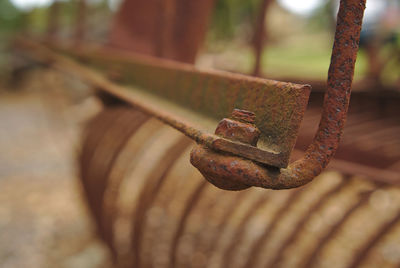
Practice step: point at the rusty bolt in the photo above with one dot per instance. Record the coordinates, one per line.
(240, 127)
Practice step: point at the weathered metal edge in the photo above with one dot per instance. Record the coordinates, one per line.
(85, 49)
(87, 52)
(45, 55)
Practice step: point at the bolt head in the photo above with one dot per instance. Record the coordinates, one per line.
(243, 116)
(238, 131)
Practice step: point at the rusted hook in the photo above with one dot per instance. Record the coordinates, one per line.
(235, 173)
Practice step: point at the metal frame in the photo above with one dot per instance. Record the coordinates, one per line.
(227, 163)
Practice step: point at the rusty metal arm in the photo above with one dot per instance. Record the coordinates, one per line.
(186, 98)
(234, 173)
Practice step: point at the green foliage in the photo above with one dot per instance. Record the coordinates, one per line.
(230, 15)
(323, 18)
(11, 19)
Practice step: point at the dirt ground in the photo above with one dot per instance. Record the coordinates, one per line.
(43, 219)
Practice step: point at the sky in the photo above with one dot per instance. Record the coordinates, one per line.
(29, 4)
(300, 7)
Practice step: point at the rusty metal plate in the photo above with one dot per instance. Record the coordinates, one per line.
(203, 95)
(192, 100)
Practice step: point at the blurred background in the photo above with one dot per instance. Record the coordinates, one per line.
(298, 44)
(43, 219)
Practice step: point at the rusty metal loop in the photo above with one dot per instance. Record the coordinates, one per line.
(150, 191)
(235, 173)
(363, 199)
(104, 138)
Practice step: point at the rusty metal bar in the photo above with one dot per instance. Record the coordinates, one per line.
(378, 175)
(118, 176)
(149, 193)
(107, 153)
(240, 232)
(230, 211)
(195, 198)
(384, 230)
(363, 200)
(92, 140)
(103, 145)
(257, 247)
(305, 217)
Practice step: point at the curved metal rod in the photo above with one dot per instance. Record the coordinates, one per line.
(235, 173)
